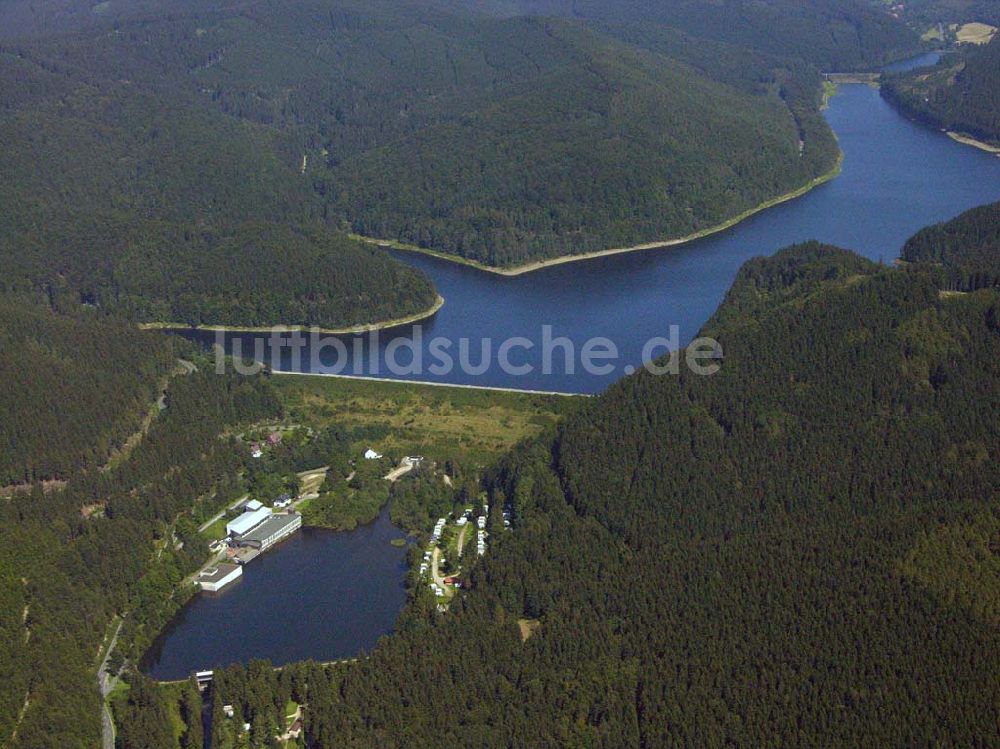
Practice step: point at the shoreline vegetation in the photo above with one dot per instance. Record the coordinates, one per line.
(429, 383)
(967, 140)
(355, 329)
(829, 91)
(518, 270)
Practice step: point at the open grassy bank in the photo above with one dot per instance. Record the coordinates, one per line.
(439, 422)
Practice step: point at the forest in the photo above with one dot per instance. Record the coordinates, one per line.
(799, 550)
(76, 557)
(74, 388)
(965, 248)
(961, 94)
(231, 144)
(131, 193)
(927, 12)
(668, 153)
(835, 35)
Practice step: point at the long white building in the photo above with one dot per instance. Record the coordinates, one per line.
(271, 531)
(246, 522)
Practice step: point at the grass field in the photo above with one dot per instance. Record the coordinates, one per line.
(933, 34)
(474, 427)
(311, 481)
(172, 696)
(975, 33)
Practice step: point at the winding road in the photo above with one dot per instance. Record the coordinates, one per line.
(106, 682)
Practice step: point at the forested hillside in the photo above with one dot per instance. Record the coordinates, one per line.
(74, 388)
(953, 11)
(967, 248)
(125, 190)
(833, 34)
(961, 94)
(498, 139)
(796, 551)
(612, 145)
(257, 274)
(74, 557)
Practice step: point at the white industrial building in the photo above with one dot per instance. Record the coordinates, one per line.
(247, 521)
(274, 528)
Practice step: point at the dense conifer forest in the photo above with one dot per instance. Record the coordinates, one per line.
(965, 248)
(799, 550)
(76, 557)
(961, 94)
(74, 388)
(628, 143)
(167, 138)
(953, 11)
(129, 191)
(832, 34)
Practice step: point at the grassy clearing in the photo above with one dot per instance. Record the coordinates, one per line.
(291, 713)
(217, 529)
(829, 91)
(933, 34)
(311, 481)
(975, 33)
(449, 543)
(172, 696)
(119, 691)
(474, 427)
(528, 627)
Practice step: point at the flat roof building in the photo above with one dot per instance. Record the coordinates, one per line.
(214, 579)
(271, 531)
(247, 521)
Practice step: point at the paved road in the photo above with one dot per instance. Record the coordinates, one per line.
(219, 514)
(437, 577)
(106, 683)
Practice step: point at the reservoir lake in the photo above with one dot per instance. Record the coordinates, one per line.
(897, 178)
(327, 595)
